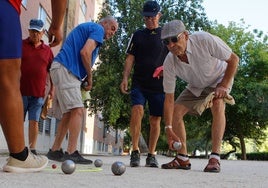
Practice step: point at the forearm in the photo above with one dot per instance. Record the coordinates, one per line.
(58, 12)
(168, 109)
(128, 67)
(51, 91)
(126, 73)
(87, 65)
(51, 87)
(168, 118)
(232, 64)
(86, 55)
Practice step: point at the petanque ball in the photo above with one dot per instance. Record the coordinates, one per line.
(54, 166)
(177, 145)
(68, 167)
(98, 163)
(84, 84)
(118, 168)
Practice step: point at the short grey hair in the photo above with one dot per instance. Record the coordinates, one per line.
(108, 18)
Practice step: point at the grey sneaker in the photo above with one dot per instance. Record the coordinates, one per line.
(135, 159)
(55, 155)
(151, 162)
(76, 158)
(33, 163)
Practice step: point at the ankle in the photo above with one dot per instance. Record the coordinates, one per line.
(183, 157)
(215, 156)
(33, 151)
(22, 156)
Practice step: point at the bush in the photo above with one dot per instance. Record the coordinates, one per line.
(255, 156)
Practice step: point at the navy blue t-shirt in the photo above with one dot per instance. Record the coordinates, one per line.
(150, 53)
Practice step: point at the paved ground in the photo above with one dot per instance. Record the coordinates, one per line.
(234, 174)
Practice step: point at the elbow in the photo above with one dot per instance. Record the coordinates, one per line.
(84, 54)
(235, 59)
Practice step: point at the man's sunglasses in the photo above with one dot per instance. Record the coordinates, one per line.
(172, 39)
(149, 18)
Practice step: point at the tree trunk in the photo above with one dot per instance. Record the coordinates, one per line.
(207, 147)
(243, 148)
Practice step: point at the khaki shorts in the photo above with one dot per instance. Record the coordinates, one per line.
(189, 100)
(67, 88)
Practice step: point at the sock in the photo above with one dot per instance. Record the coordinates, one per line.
(22, 156)
(215, 156)
(150, 155)
(183, 157)
(135, 151)
(34, 151)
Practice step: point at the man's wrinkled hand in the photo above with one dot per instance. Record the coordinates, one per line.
(171, 138)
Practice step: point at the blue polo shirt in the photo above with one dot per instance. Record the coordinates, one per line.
(69, 55)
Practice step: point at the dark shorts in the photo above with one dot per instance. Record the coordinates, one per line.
(155, 101)
(189, 100)
(32, 105)
(10, 32)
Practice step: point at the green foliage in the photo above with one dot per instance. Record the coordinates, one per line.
(260, 156)
(190, 12)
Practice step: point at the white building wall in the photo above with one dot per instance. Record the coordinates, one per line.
(88, 130)
(3, 143)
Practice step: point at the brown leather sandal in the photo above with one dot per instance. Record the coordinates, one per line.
(177, 164)
(213, 166)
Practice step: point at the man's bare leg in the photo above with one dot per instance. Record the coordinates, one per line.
(11, 106)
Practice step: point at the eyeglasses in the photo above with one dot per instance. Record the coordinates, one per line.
(146, 18)
(172, 39)
(35, 32)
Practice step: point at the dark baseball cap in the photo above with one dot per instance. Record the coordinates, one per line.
(150, 8)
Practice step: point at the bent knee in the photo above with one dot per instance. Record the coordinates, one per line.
(78, 111)
(137, 109)
(218, 106)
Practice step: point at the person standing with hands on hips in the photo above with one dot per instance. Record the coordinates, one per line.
(208, 65)
(145, 53)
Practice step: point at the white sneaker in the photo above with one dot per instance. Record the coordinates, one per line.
(33, 163)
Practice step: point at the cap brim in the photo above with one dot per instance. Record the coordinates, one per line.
(170, 35)
(149, 14)
(36, 28)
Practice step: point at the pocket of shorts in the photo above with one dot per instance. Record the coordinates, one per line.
(55, 65)
(72, 96)
(53, 72)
